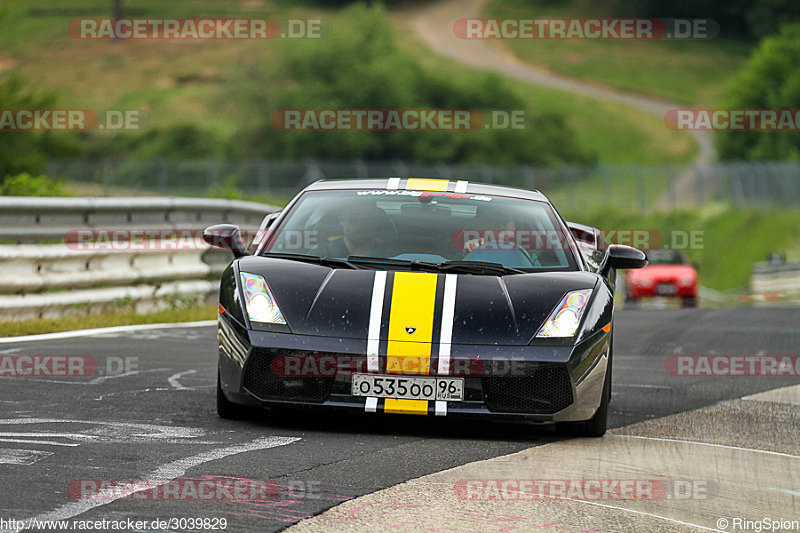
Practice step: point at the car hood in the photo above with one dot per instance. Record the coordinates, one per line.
(491, 310)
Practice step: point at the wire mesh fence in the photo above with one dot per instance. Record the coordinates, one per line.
(637, 187)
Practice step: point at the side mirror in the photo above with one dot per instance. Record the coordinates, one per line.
(226, 236)
(621, 256)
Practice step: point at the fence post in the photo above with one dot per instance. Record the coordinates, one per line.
(162, 175)
(641, 197)
(362, 171)
(530, 177)
(263, 176)
(313, 171)
(486, 174)
(700, 186)
(106, 177)
(401, 169)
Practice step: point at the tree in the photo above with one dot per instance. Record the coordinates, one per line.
(769, 80)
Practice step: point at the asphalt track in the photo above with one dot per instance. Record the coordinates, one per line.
(156, 421)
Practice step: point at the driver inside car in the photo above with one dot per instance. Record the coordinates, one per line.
(497, 234)
(494, 225)
(360, 221)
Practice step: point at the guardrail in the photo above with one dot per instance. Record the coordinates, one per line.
(47, 280)
(33, 219)
(775, 278)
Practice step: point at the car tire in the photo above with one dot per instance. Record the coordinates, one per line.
(688, 302)
(595, 426)
(225, 408)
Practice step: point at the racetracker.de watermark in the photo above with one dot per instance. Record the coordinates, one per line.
(193, 28)
(69, 120)
(583, 489)
(206, 488)
(549, 240)
(733, 119)
(64, 366)
(333, 365)
(594, 29)
(733, 365)
(397, 119)
(158, 239)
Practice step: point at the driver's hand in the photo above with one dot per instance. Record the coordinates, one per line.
(474, 243)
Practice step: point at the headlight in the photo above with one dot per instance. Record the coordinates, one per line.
(261, 305)
(565, 318)
(687, 281)
(643, 282)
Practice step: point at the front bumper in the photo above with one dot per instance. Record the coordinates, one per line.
(542, 384)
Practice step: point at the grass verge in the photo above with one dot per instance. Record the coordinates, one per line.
(690, 72)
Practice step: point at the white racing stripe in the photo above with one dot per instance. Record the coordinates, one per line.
(448, 312)
(163, 474)
(446, 335)
(375, 314)
(461, 186)
(374, 331)
(372, 405)
(393, 184)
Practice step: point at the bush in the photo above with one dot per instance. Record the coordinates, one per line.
(748, 18)
(769, 80)
(28, 151)
(227, 189)
(182, 141)
(360, 66)
(26, 185)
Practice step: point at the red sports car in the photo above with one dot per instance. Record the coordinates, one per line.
(669, 274)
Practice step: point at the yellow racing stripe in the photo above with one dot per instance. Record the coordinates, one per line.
(405, 407)
(411, 323)
(422, 184)
(410, 333)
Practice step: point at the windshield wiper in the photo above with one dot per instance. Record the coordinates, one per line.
(477, 267)
(385, 261)
(466, 267)
(324, 261)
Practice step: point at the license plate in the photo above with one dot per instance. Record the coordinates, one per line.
(666, 289)
(407, 387)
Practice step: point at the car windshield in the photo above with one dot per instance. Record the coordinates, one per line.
(429, 228)
(666, 257)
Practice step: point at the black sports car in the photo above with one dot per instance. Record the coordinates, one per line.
(420, 296)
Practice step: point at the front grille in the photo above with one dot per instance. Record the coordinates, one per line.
(261, 381)
(547, 389)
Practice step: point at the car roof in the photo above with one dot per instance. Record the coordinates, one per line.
(453, 186)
